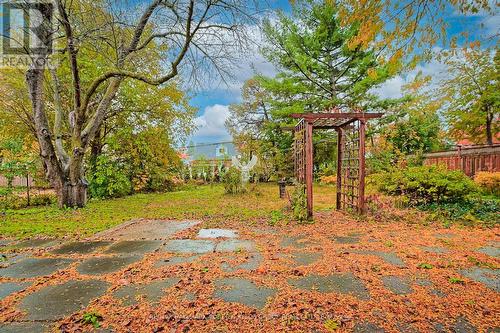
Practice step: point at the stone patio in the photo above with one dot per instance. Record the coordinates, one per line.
(242, 291)
(55, 302)
(336, 283)
(237, 279)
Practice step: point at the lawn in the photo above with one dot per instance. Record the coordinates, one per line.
(200, 202)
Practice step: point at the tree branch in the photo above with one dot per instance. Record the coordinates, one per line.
(61, 153)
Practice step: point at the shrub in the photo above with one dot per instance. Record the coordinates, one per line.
(43, 200)
(108, 180)
(299, 203)
(474, 210)
(328, 180)
(12, 202)
(232, 181)
(18, 202)
(426, 184)
(489, 182)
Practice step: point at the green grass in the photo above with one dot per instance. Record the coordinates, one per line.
(202, 202)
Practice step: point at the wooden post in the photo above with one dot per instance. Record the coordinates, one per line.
(309, 168)
(28, 187)
(362, 171)
(339, 167)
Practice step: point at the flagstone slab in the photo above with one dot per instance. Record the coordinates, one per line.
(24, 327)
(489, 277)
(235, 245)
(56, 302)
(152, 292)
(406, 328)
(189, 296)
(306, 258)
(34, 267)
(388, 257)
(176, 261)
(217, 233)
(80, 247)
(345, 283)
(238, 290)
(397, 284)
(252, 262)
(462, 325)
(435, 249)
(346, 239)
(490, 250)
(35, 243)
(106, 265)
(146, 229)
(134, 247)
(445, 235)
(197, 246)
(428, 283)
(8, 288)
(367, 327)
(5, 242)
(296, 242)
(7, 259)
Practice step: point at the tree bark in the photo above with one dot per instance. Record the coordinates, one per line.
(73, 195)
(489, 132)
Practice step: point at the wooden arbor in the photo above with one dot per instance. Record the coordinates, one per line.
(351, 155)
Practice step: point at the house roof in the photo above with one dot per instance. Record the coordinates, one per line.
(209, 151)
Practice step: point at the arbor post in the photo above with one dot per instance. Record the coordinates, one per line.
(309, 168)
(362, 171)
(339, 168)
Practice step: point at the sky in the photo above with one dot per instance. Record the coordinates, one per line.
(213, 102)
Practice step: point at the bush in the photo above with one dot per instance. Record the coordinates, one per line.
(108, 180)
(20, 202)
(328, 180)
(232, 181)
(43, 200)
(489, 182)
(12, 202)
(426, 185)
(469, 212)
(299, 203)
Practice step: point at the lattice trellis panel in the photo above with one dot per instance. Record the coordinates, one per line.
(350, 167)
(300, 151)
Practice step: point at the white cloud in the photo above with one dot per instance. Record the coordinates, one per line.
(492, 25)
(211, 123)
(393, 88)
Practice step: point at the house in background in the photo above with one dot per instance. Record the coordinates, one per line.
(208, 154)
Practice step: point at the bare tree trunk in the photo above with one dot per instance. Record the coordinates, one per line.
(70, 192)
(489, 132)
(73, 195)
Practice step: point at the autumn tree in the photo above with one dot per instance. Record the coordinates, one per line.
(472, 94)
(410, 127)
(408, 30)
(191, 35)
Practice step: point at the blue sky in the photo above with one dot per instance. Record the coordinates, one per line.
(213, 102)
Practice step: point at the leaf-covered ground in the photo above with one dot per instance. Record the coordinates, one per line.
(402, 276)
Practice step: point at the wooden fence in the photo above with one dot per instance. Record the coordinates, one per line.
(469, 159)
(17, 182)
